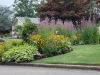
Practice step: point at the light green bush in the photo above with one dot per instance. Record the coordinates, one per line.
(22, 53)
(12, 43)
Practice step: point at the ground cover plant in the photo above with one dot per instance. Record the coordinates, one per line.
(22, 53)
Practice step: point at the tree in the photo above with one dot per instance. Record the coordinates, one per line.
(70, 10)
(5, 20)
(24, 8)
(27, 8)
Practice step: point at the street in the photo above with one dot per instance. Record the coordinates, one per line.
(21, 70)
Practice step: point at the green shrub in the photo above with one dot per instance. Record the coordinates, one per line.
(1, 40)
(55, 45)
(75, 40)
(22, 53)
(19, 28)
(17, 42)
(28, 29)
(44, 31)
(65, 31)
(12, 43)
(90, 35)
(51, 45)
(1, 49)
(7, 35)
(37, 40)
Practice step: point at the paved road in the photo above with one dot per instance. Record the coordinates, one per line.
(21, 70)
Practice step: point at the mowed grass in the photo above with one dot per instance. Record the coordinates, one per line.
(82, 55)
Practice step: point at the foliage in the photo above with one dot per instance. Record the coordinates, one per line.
(99, 37)
(19, 28)
(1, 49)
(70, 10)
(55, 44)
(7, 35)
(64, 30)
(28, 29)
(51, 45)
(75, 40)
(27, 8)
(24, 8)
(37, 40)
(17, 42)
(1, 40)
(90, 35)
(5, 20)
(12, 43)
(46, 30)
(22, 53)
(76, 37)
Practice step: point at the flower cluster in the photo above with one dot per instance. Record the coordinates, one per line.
(37, 40)
(59, 39)
(76, 39)
(51, 45)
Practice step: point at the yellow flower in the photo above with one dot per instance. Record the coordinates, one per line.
(75, 37)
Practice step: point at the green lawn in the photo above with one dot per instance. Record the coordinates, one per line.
(83, 54)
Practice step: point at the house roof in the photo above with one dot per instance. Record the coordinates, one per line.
(33, 20)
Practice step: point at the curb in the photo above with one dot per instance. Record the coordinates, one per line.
(82, 67)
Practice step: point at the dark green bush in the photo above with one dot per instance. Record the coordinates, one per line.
(7, 35)
(28, 29)
(90, 35)
(22, 53)
(1, 40)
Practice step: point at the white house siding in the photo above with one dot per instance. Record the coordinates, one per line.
(21, 21)
(18, 22)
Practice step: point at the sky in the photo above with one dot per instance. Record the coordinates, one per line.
(6, 2)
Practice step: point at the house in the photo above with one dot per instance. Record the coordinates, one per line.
(21, 21)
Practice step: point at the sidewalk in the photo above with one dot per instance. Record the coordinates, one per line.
(82, 67)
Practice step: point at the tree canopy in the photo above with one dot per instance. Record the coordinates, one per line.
(27, 8)
(5, 20)
(24, 8)
(71, 10)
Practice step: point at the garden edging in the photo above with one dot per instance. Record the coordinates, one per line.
(82, 67)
